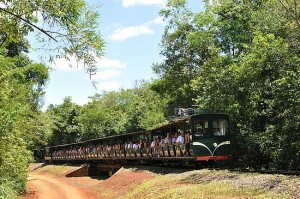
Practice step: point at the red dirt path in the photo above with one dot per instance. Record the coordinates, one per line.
(46, 186)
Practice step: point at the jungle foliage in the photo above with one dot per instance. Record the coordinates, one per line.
(63, 28)
(21, 88)
(107, 113)
(236, 57)
(241, 58)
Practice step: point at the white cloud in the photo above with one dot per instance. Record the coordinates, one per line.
(131, 31)
(72, 64)
(108, 86)
(129, 3)
(106, 74)
(104, 62)
(65, 65)
(157, 20)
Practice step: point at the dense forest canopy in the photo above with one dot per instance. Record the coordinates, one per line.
(235, 57)
(109, 113)
(241, 58)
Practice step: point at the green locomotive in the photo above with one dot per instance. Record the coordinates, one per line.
(187, 138)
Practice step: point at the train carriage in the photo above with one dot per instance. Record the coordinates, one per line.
(204, 138)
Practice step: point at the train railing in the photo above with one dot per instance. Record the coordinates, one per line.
(166, 151)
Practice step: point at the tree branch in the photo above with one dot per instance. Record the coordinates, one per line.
(290, 11)
(28, 22)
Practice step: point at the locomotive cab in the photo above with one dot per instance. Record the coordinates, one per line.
(210, 139)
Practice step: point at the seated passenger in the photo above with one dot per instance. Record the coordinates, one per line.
(135, 147)
(180, 141)
(117, 149)
(141, 147)
(108, 150)
(129, 148)
(216, 132)
(153, 145)
(160, 147)
(146, 147)
(174, 138)
(188, 144)
(167, 142)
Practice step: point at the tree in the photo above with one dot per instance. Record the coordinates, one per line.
(249, 69)
(125, 111)
(65, 127)
(182, 59)
(65, 28)
(19, 123)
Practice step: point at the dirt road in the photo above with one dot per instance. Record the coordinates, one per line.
(47, 187)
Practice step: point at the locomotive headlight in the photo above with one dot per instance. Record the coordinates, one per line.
(215, 145)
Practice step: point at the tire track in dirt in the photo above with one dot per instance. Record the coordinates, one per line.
(47, 187)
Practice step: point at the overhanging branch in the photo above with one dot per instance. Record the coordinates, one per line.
(28, 22)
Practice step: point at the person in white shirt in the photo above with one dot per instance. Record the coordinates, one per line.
(135, 147)
(180, 141)
(153, 146)
(167, 143)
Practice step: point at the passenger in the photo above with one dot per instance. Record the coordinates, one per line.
(216, 132)
(180, 138)
(200, 132)
(123, 151)
(141, 144)
(141, 147)
(129, 148)
(94, 151)
(117, 149)
(159, 145)
(180, 141)
(152, 146)
(98, 150)
(135, 147)
(146, 146)
(108, 150)
(167, 143)
(174, 138)
(188, 144)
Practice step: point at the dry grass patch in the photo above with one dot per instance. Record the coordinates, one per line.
(60, 170)
(208, 184)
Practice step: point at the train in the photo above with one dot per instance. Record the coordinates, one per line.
(188, 138)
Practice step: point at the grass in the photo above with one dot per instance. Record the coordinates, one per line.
(199, 184)
(7, 189)
(168, 186)
(57, 170)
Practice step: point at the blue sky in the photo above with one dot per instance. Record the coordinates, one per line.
(132, 30)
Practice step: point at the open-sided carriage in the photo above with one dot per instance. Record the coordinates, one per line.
(203, 138)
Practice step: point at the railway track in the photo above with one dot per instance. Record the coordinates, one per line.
(281, 172)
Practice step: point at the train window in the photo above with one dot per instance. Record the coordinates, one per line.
(201, 127)
(220, 127)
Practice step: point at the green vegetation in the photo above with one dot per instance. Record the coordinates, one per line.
(220, 185)
(236, 57)
(240, 58)
(109, 113)
(21, 84)
(22, 81)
